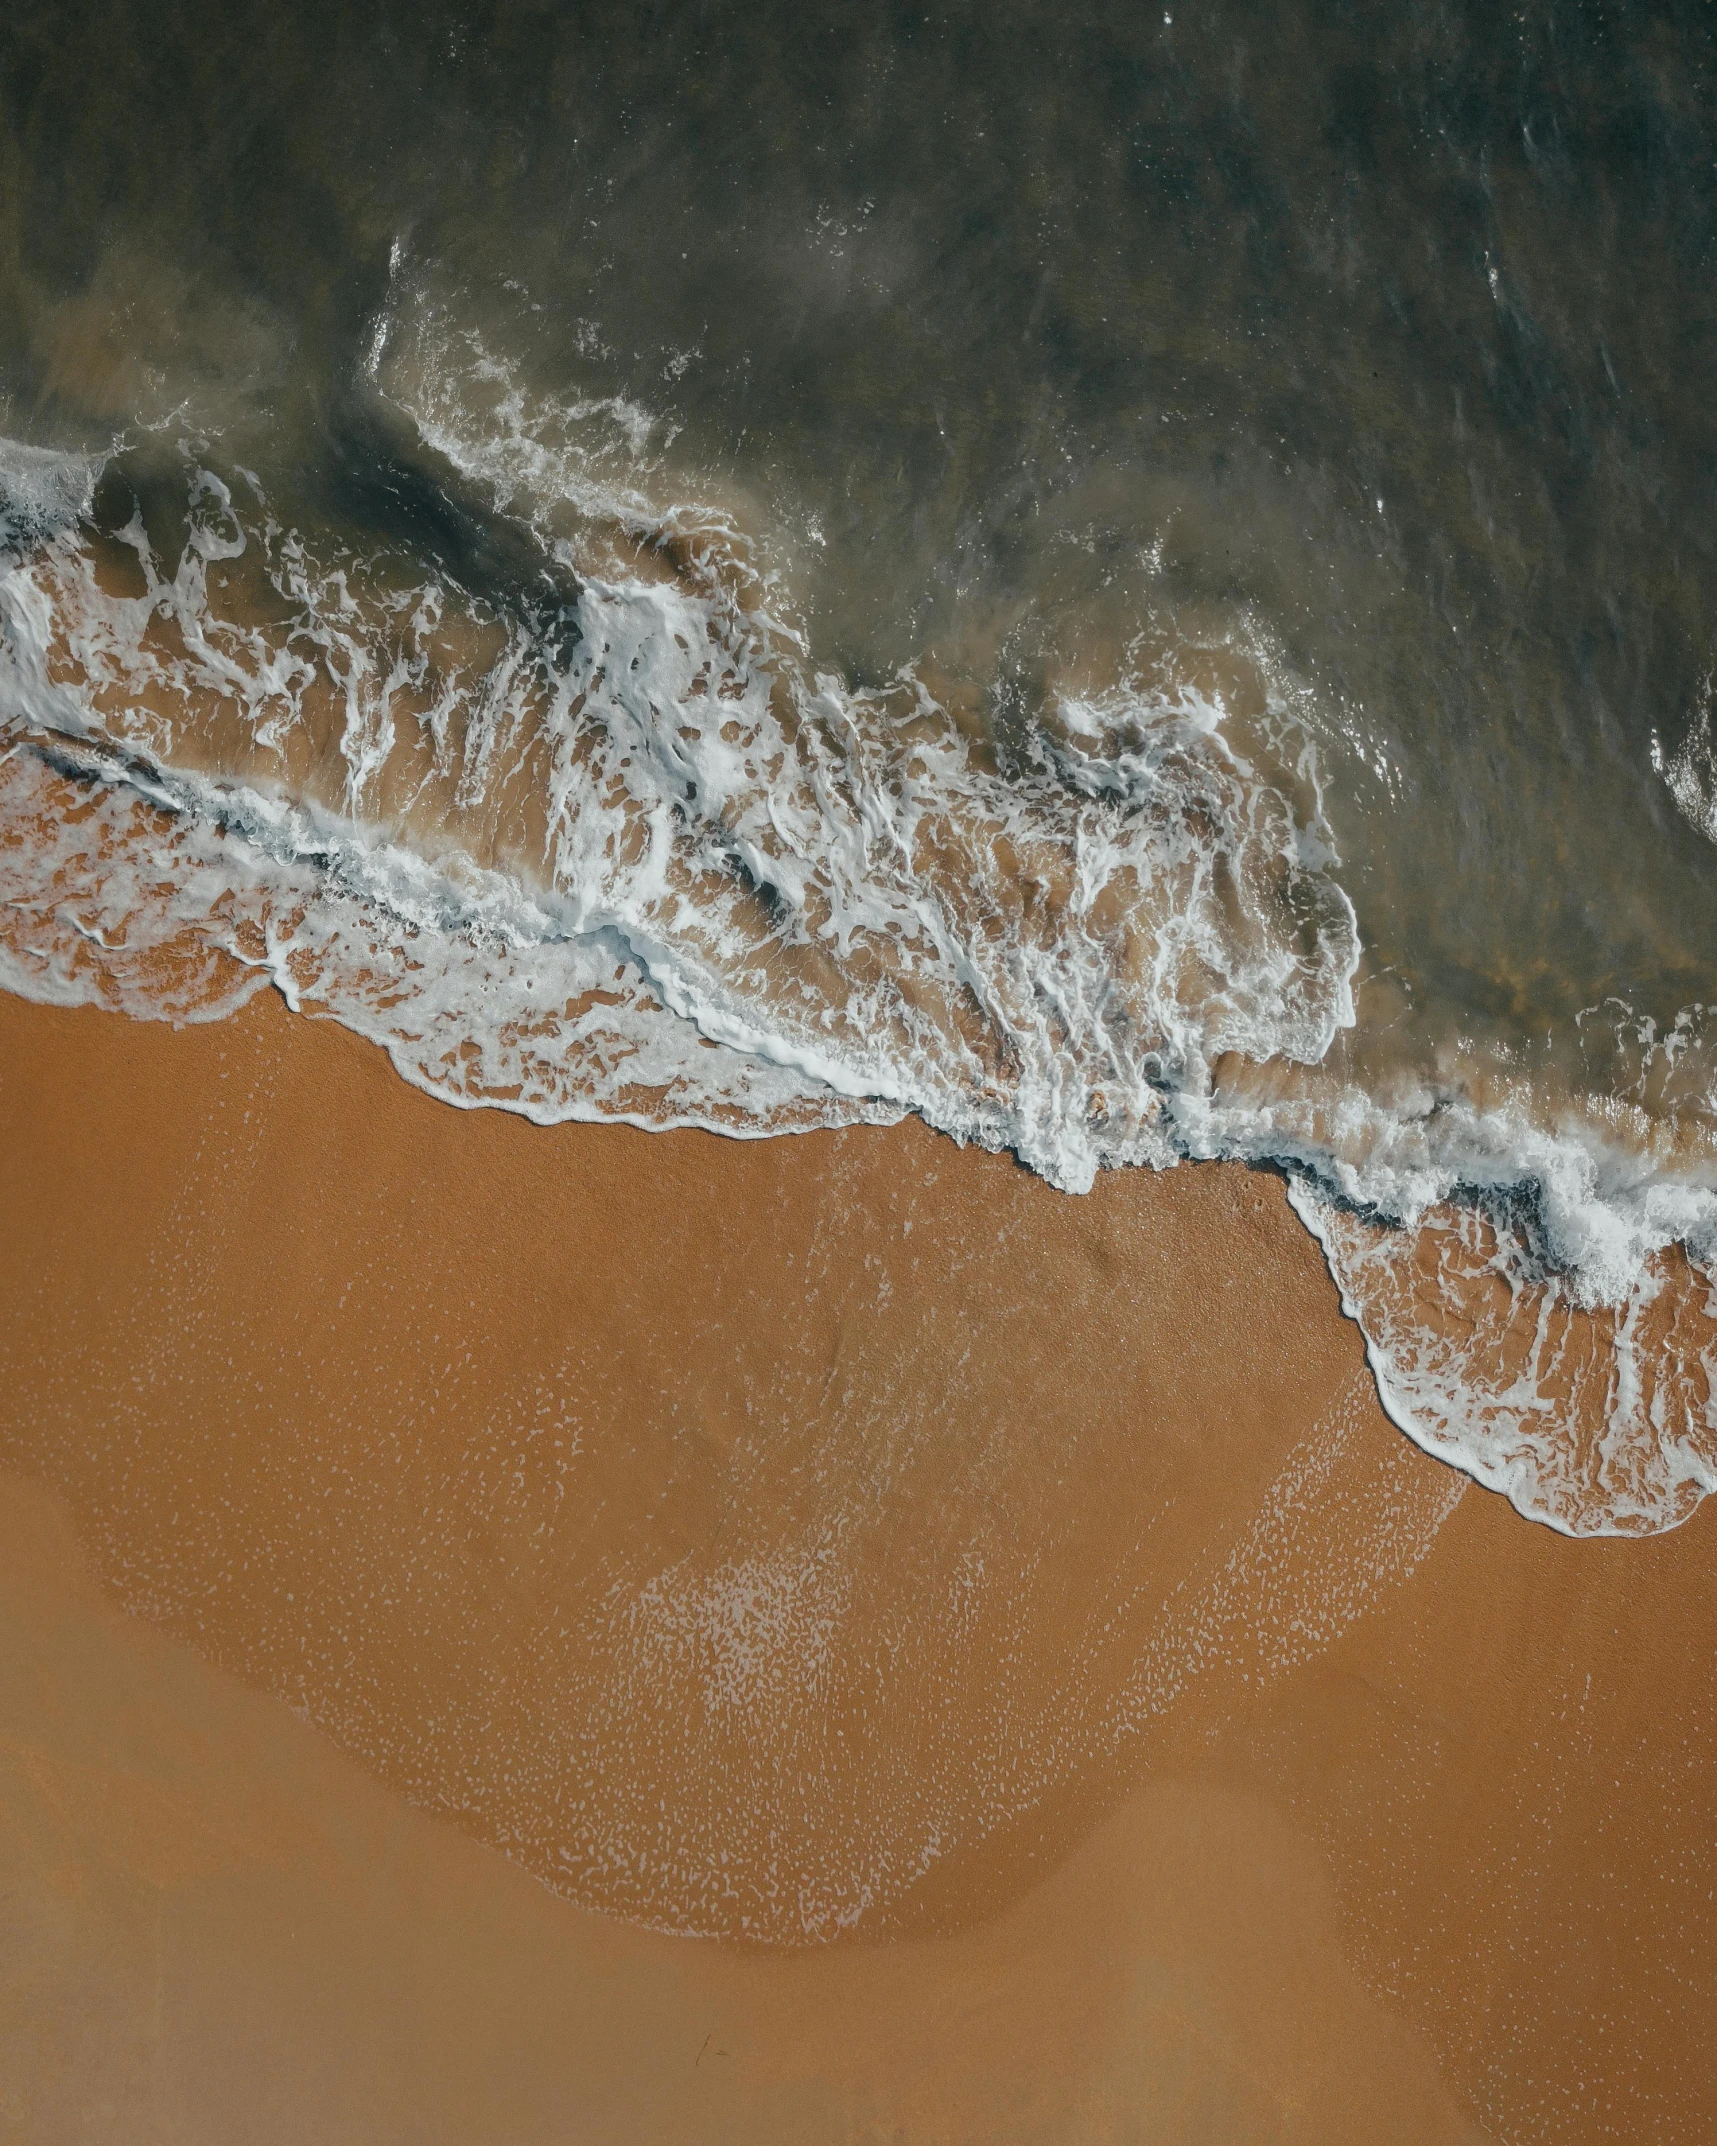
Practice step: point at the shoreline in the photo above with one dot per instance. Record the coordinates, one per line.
(849, 1537)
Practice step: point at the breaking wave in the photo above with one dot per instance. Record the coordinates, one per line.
(559, 809)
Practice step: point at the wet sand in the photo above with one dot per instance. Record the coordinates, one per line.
(971, 1663)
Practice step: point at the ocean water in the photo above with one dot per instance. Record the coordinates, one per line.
(1135, 582)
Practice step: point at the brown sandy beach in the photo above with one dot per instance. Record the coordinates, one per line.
(972, 1663)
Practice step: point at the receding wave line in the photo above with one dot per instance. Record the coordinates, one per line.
(598, 839)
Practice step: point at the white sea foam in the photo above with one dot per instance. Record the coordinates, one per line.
(1690, 772)
(620, 850)
(829, 883)
(41, 493)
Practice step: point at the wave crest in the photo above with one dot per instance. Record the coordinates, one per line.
(555, 805)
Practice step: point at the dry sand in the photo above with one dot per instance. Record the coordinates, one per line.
(1004, 1625)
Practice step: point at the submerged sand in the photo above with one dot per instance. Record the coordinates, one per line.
(971, 1663)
